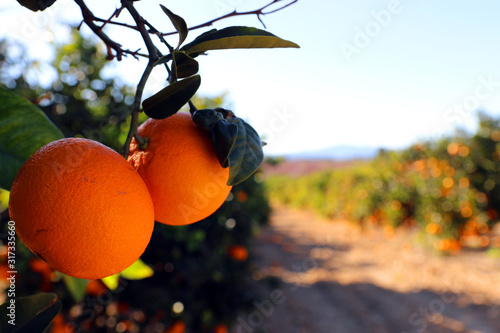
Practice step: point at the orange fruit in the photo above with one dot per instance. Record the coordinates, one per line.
(177, 327)
(82, 208)
(238, 252)
(180, 169)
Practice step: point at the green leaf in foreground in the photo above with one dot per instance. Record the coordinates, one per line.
(36, 5)
(179, 24)
(32, 313)
(170, 99)
(23, 130)
(237, 37)
(137, 271)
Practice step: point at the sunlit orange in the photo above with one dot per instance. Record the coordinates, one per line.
(449, 171)
(396, 205)
(466, 211)
(432, 162)
(419, 165)
(433, 228)
(484, 241)
(481, 197)
(495, 135)
(453, 148)
(464, 182)
(448, 182)
(463, 151)
(436, 172)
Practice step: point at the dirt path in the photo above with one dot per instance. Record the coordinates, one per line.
(326, 277)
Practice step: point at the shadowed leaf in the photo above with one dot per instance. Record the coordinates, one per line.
(179, 24)
(170, 99)
(36, 5)
(184, 65)
(224, 136)
(32, 313)
(246, 155)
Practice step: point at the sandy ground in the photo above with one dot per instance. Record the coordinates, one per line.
(317, 276)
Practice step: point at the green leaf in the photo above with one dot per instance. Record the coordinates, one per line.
(111, 281)
(170, 99)
(246, 154)
(179, 24)
(36, 5)
(162, 60)
(137, 271)
(76, 286)
(235, 38)
(23, 130)
(184, 65)
(31, 314)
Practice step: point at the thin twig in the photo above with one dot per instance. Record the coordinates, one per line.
(258, 12)
(153, 57)
(88, 18)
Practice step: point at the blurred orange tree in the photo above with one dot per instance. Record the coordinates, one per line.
(450, 188)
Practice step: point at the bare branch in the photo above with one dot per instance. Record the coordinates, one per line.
(88, 18)
(258, 12)
(153, 56)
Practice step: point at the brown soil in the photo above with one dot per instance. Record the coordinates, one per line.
(322, 276)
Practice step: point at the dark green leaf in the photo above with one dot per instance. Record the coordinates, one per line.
(36, 5)
(179, 24)
(23, 130)
(162, 60)
(206, 118)
(32, 313)
(75, 286)
(235, 38)
(224, 136)
(170, 99)
(184, 65)
(246, 154)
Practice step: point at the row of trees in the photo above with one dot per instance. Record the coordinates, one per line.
(449, 188)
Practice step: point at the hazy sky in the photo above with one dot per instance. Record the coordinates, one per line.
(368, 73)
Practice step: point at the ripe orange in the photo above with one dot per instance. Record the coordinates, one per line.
(238, 252)
(82, 208)
(180, 168)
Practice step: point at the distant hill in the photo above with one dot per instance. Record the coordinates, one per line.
(294, 167)
(336, 153)
(304, 163)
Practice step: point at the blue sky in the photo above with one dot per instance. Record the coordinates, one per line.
(412, 69)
